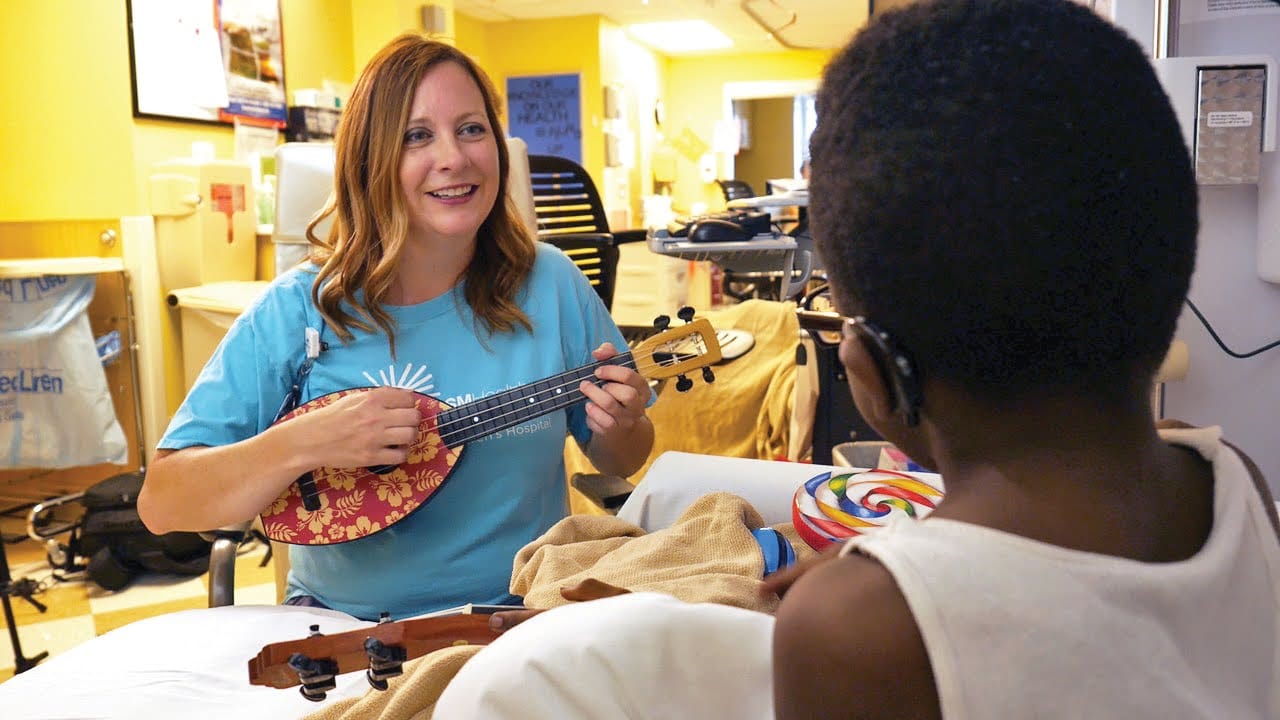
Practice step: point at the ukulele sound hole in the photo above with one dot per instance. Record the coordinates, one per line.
(382, 469)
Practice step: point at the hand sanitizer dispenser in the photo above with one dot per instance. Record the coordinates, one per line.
(206, 221)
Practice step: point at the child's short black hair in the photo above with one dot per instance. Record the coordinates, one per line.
(1002, 185)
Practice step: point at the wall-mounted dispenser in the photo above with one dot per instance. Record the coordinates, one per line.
(206, 221)
(1227, 107)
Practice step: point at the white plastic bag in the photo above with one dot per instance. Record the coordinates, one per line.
(55, 409)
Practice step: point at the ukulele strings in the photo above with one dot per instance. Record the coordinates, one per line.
(451, 430)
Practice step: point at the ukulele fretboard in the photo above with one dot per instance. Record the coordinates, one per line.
(507, 409)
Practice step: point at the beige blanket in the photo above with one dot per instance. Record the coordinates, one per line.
(708, 555)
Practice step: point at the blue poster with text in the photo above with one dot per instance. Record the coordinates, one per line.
(545, 112)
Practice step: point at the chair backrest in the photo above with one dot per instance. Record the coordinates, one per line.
(571, 217)
(564, 198)
(736, 189)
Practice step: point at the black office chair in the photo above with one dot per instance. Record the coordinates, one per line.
(571, 217)
(735, 189)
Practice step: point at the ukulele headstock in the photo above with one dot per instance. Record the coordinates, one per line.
(675, 351)
(380, 650)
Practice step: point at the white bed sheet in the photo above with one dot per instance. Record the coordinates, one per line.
(191, 664)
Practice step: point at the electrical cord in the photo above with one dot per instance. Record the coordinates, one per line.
(1218, 340)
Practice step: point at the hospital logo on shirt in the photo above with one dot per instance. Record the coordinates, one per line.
(409, 379)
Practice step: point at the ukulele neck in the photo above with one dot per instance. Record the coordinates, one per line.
(510, 408)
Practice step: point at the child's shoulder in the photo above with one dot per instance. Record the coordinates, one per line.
(843, 631)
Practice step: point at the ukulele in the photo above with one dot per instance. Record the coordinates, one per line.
(334, 505)
(381, 650)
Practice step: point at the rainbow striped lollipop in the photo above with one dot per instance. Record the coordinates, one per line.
(832, 508)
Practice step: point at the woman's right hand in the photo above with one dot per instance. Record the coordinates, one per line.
(201, 487)
(360, 429)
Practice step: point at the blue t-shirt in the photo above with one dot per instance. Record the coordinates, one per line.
(506, 490)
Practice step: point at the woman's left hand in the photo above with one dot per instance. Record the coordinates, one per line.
(618, 404)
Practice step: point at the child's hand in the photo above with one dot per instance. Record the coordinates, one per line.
(780, 582)
(589, 589)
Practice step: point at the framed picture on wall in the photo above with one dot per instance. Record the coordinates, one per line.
(214, 61)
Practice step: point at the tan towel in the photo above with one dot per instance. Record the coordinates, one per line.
(707, 555)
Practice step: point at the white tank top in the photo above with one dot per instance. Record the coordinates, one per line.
(1017, 628)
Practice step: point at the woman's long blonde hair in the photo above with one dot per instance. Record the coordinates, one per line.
(370, 222)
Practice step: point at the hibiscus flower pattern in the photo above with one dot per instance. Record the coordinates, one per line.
(342, 478)
(392, 489)
(315, 520)
(354, 502)
(428, 445)
(280, 504)
(362, 526)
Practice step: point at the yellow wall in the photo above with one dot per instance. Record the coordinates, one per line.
(772, 129)
(642, 76)
(696, 100)
(317, 42)
(373, 24)
(472, 37)
(547, 47)
(65, 111)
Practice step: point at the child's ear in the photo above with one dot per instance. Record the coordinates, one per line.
(871, 391)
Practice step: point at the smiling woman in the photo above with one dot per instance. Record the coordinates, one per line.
(428, 267)
(449, 174)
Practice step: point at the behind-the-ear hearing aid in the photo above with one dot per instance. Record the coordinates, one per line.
(896, 368)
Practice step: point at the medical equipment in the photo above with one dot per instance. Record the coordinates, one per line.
(762, 253)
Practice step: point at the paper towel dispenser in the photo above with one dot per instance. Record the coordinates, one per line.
(1227, 107)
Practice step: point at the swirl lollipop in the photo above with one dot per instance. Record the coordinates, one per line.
(831, 508)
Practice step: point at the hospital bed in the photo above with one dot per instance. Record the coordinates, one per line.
(193, 664)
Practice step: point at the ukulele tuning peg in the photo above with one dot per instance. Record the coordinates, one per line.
(708, 376)
(685, 313)
(683, 384)
(317, 676)
(385, 661)
(662, 322)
